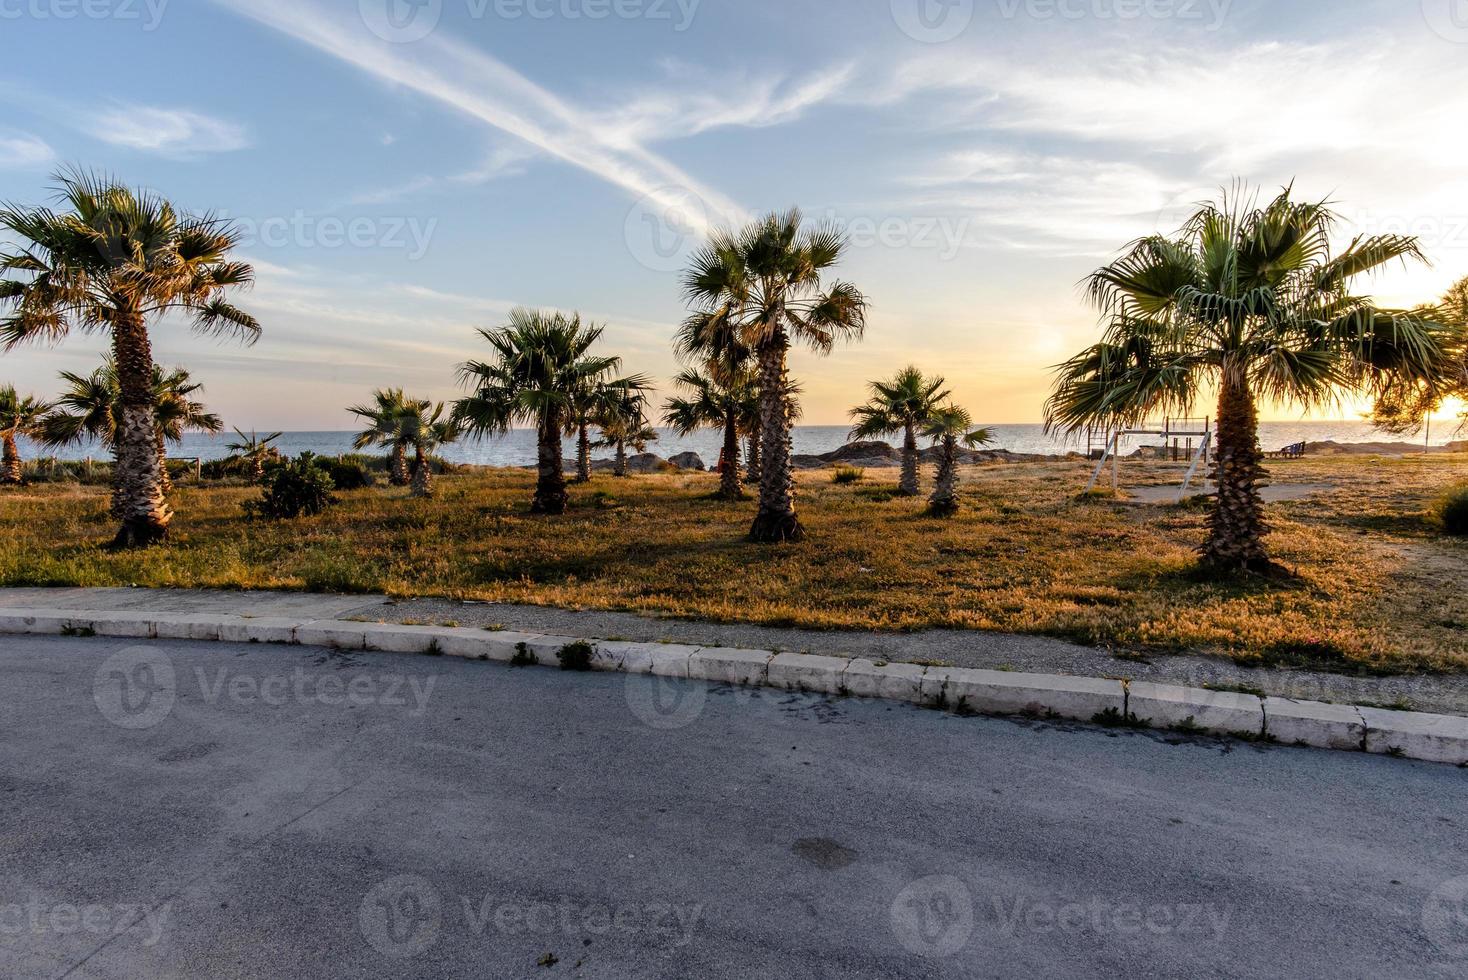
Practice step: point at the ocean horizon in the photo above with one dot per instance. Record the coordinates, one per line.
(518, 448)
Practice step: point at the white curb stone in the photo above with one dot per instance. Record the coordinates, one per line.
(997, 692)
(803, 672)
(1222, 712)
(128, 625)
(501, 646)
(40, 624)
(889, 681)
(1432, 738)
(332, 634)
(658, 659)
(546, 649)
(721, 665)
(391, 638)
(193, 627)
(270, 629)
(1314, 723)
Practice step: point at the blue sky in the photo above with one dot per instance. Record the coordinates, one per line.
(406, 170)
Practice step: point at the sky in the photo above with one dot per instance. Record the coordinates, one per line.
(405, 171)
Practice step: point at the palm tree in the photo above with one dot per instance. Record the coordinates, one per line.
(255, 451)
(542, 359)
(715, 399)
(598, 399)
(90, 407)
(1252, 301)
(904, 404)
(1407, 407)
(114, 259)
(385, 429)
(19, 416)
(950, 427)
(765, 286)
(623, 424)
(425, 428)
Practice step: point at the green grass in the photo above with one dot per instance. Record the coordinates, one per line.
(1378, 586)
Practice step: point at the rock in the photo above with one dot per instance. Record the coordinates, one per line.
(863, 452)
(688, 461)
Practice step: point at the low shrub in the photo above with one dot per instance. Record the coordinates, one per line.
(848, 474)
(1451, 511)
(576, 656)
(348, 472)
(293, 488)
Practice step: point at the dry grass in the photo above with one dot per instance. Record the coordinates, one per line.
(1378, 588)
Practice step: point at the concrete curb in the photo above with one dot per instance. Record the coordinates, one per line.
(1114, 703)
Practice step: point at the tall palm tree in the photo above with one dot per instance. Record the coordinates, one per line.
(384, 418)
(542, 359)
(950, 427)
(112, 260)
(255, 450)
(597, 399)
(904, 404)
(766, 286)
(425, 428)
(623, 424)
(90, 407)
(1254, 302)
(715, 399)
(19, 416)
(1407, 407)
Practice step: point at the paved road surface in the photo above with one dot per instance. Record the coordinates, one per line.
(204, 810)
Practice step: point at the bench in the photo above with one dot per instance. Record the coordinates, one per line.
(1297, 451)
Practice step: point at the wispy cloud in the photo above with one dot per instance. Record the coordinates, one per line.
(169, 132)
(485, 89)
(22, 151)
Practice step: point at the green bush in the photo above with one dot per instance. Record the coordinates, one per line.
(1452, 510)
(348, 472)
(848, 474)
(292, 488)
(576, 656)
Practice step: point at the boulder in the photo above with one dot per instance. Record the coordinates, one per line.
(688, 461)
(863, 452)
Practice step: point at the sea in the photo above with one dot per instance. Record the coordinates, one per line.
(518, 448)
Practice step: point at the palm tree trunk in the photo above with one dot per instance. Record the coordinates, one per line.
(1236, 525)
(583, 453)
(621, 469)
(752, 471)
(399, 477)
(13, 471)
(257, 464)
(944, 501)
(550, 484)
(730, 487)
(162, 446)
(908, 485)
(422, 478)
(776, 521)
(139, 496)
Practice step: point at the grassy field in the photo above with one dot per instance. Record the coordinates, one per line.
(1377, 588)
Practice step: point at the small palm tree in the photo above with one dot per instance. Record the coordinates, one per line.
(178, 412)
(255, 451)
(597, 400)
(1254, 302)
(385, 429)
(715, 399)
(426, 428)
(766, 286)
(904, 404)
(542, 360)
(950, 427)
(19, 416)
(113, 259)
(625, 424)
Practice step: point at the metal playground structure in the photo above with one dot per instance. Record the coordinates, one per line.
(1172, 431)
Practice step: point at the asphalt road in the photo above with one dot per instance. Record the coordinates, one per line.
(203, 810)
